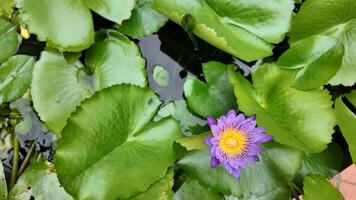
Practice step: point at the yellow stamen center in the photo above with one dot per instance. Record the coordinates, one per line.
(232, 142)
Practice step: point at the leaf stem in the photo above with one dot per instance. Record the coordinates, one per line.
(15, 161)
(27, 158)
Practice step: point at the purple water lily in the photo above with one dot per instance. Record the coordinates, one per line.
(235, 141)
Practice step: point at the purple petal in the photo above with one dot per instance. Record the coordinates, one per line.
(254, 149)
(263, 138)
(215, 130)
(236, 173)
(214, 162)
(210, 121)
(232, 113)
(208, 141)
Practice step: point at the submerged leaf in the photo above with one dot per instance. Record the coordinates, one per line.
(126, 151)
(335, 18)
(161, 76)
(15, 77)
(213, 98)
(6, 8)
(300, 119)
(242, 28)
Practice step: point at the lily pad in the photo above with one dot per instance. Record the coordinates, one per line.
(213, 98)
(320, 57)
(346, 120)
(68, 84)
(335, 18)
(194, 142)
(161, 189)
(39, 181)
(242, 28)
(9, 39)
(327, 163)
(300, 119)
(257, 181)
(317, 187)
(191, 189)
(15, 77)
(116, 11)
(143, 21)
(66, 25)
(126, 151)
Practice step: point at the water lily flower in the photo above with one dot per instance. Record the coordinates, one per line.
(235, 141)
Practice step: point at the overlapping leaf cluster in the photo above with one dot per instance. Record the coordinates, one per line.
(115, 138)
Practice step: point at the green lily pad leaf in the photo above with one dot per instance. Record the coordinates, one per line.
(129, 154)
(161, 189)
(244, 29)
(346, 120)
(68, 84)
(213, 98)
(144, 20)
(317, 187)
(300, 119)
(116, 11)
(333, 18)
(6, 8)
(189, 123)
(39, 181)
(320, 57)
(3, 186)
(9, 39)
(258, 180)
(161, 76)
(191, 189)
(194, 142)
(328, 163)
(15, 77)
(66, 25)
(282, 161)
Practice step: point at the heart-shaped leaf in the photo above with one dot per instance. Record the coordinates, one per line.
(242, 28)
(15, 77)
(213, 98)
(39, 181)
(317, 187)
(144, 20)
(125, 151)
(9, 39)
(334, 18)
(112, 61)
(116, 11)
(300, 119)
(66, 24)
(346, 120)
